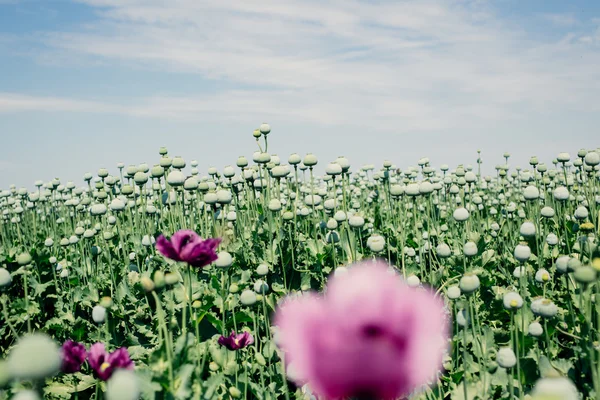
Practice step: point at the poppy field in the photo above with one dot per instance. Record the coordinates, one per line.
(264, 279)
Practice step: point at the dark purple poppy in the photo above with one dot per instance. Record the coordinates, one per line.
(187, 246)
(236, 342)
(73, 356)
(103, 363)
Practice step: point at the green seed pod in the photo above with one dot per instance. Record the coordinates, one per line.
(4, 373)
(5, 278)
(147, 284)
(35, 356)
(106, 302)
(213, 367)
(248, 298)
(172, 278)
(235, 392)
(234, 288)
(24, 259)
(159, 280)
(585, 274)
(196, 304)
(469, 283)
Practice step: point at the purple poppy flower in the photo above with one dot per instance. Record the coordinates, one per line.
(73, 356)
(236, 342)
(369, 336)
(187, 246)
(103, 363)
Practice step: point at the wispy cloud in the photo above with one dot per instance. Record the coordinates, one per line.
(404, 66)
(562, 20)
(415, 63)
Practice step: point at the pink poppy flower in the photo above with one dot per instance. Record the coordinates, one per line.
(187, 246)
(369, 336)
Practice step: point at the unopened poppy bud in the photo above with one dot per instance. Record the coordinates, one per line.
(106, 302)
(147, 284)
(159, 280)
(172, 278)
(235, 392)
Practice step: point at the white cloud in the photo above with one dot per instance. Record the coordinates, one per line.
(561, 19)
(406, 66)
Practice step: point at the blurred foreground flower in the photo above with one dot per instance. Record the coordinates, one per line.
(73, 356)
(187, 246)
(369, 336)
(236, 341)
(104, 363)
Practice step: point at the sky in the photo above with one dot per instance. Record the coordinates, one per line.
(86, 84)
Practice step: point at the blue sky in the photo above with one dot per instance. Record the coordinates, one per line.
(85, 84)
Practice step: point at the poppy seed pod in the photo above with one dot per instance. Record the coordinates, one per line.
(413, 281)
(531, 193)
(36, 356)
(527, 229)
(294, 159)
(24, 259)
(261, 158)
(581, 212)
(228, 171)
(165, 162)
(265, 128)
(99, 314)
(98, 209)
(506, 357)
(512, 301)
(157, 171)
(123, 385)
(376, 243)
(544, 308)
(469, 283)
(563, 157)
(140, 178)
(542, 276)
(262, 269)
(552, 239)
(585, 274)
(333, 169)
(592, 158)
(310, 160)
(5, 278)
(443, 250)
(176, 178)
(470, 249)
(561, 193)
(190, 184)
(453, 292)
(562, 264)
(242, 162)
(547, 212)
(178, 162)
(248, 298)
(535, 329)
(356, 221)
(460, 214)
(224, 260)
(522, 252)
(555, 388)
(26, 394)
(117, 205)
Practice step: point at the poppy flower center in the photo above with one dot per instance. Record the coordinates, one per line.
(104, 367)
(372, 331)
